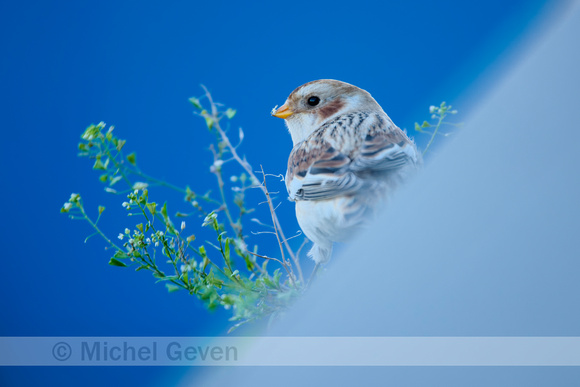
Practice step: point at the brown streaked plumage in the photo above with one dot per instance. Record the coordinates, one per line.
(348, 156)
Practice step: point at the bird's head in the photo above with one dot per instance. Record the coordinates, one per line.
(316, 102)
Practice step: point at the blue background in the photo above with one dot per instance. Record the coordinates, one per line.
(134, 64)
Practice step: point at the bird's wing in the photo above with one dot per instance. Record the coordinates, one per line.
(347, 155)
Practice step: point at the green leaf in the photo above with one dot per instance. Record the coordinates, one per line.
(202, 251)
(204, 263)
(101, 209)
(164, 211)
(166, 252)
(99, 165)
(195, 102)
(230, 113)
(227, 249)
(116, 262)
(143, 267)
(120, 254)
(151, 207)
(209, 121)
(269, 282)
(249, 263)
(114, 180)
(277, 275)
(172, 288)
(425, 124)
(132, 158)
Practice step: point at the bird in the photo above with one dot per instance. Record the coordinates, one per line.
(347, 158)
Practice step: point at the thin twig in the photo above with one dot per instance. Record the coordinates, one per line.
(247, 167)
(273, 213)
(270, 258)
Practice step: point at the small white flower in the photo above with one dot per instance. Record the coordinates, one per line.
(148, 240)
(216, 166)
(74, 197)
(233, 179)
(236, 189)
(125, 204)
(110, 190)
(67, 206)
(195, 203)
(121, 236)
(156, 244)
(136, 192)
(240, 244)
(127, 231)
(131, 240)
(209, 219)
(182, 225)
(432, 109)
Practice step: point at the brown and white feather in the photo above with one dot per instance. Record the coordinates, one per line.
(348, 156)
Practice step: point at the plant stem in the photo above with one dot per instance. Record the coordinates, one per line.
(94, 225)
(441, 117)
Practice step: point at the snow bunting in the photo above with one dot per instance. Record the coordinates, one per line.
(348, 156)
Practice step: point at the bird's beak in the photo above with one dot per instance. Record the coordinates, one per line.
(283, 112)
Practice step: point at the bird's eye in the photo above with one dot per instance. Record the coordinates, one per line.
(313, 101)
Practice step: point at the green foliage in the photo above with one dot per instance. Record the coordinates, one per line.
(222, 273)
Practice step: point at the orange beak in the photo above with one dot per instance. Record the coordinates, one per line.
(283, 112)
